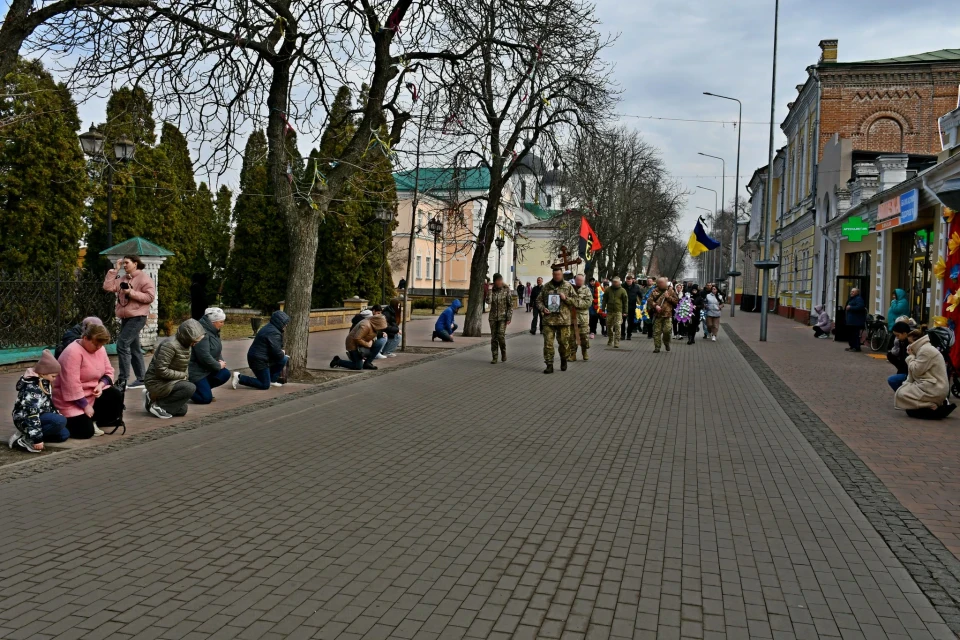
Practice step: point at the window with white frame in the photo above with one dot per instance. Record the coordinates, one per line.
(418, 268)
(428, 268)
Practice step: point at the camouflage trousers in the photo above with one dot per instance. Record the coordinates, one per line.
(498, 338)
(614, 320)
(559, 333)
(662, 330)
(584, 339)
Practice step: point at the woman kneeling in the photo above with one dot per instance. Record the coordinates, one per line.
(924, 393)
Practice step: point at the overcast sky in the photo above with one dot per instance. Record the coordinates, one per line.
(670, 51)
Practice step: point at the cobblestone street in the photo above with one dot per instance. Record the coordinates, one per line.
(633, 496)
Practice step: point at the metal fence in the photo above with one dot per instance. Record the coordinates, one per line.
(36, 308)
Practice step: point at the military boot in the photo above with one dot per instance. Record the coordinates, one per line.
(563, 364)
(585, 355)
(573, 357)
(549, 368)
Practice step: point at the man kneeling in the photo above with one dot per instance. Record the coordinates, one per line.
(362, 343)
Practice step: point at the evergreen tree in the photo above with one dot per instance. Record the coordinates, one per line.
(257, 268)
(128, 115)
(351, 237)
(215, 243)
(43, 180)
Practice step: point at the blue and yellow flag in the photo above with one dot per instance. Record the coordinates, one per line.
(699, 241)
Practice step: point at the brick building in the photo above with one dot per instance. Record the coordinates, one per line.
(887, 105)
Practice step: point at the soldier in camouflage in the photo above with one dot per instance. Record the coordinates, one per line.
(556, 323)
(615, 305)
(581, 303)
(661, 304)
(501, 313)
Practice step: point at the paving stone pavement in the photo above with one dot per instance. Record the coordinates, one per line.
(634, 496)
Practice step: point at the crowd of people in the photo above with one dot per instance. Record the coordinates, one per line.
(921, 357)
(75, 392)
(618, 308)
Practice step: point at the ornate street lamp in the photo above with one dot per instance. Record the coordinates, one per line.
(435, 227)
(500, 241)
(92, 143)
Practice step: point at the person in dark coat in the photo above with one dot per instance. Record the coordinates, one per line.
(266, 357)
(74, 333)
(394, 316)
(207, 369)
(534, 296)
(634, 291)
(897, 355)
(856, 310)
(198, 295)
(697, 297)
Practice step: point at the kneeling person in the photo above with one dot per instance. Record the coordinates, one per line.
(34, 416)
(266, 357)
(207, 368)
(362, 343)
(166, 385)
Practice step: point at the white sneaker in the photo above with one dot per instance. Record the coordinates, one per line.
(146, 400)
(159, 412)
(380, 356)
(276, 384)
(391, 355)
(235, 379)
(12, 440)
(713, 338)
(97, 431)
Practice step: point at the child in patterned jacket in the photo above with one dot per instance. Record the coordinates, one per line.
(34, 416)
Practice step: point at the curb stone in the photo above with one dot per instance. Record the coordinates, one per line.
(934, 568)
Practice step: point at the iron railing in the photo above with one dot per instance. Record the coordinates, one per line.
(37, 307)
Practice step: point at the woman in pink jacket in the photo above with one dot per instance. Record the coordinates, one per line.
(83, 392)
(135, 291)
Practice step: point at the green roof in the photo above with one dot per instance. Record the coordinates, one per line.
(137, 247)
(539, 212)
(943, 55)
(477, 179)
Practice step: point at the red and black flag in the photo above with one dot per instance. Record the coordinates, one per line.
(589, 242)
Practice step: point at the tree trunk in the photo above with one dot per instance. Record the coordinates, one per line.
(473, 323)
(13, 32)
(302, 223)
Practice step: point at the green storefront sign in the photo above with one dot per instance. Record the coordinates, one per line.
(854, 229)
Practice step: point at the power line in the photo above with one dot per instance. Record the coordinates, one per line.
(730, 122)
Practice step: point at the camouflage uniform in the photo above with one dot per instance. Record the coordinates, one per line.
(558, 323)
(582, 303)
(663, 320)
(615, 302)
(501, 312)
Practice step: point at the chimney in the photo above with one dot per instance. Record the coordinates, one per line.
(865, 182)
(892, 169)
(828, 51)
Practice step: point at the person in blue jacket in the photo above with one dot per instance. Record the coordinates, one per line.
(899, 306)
(445, 325)
(266, 356)
(856, 310)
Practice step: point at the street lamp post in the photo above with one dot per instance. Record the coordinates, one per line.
(435, 226)
(736, 201)
(766, 264)
(92, 142)
(713, 225)
(500, 241)
(385, 216)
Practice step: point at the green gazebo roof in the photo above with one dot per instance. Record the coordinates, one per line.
(137, 247)
(539, 212)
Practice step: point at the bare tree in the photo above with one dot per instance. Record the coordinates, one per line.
(221, 67)
(538, 71)
(627, 195)
(24, 17)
